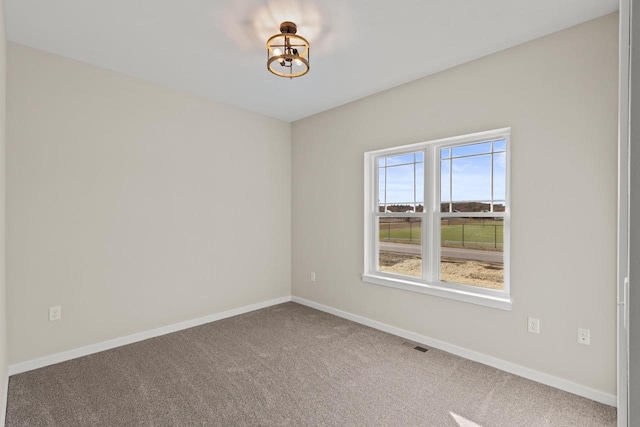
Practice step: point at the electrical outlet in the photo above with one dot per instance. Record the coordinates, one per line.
(584, 336)
(313, 276)
(533, 325)
(55, 313)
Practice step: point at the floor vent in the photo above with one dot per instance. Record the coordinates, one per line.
(422, 349)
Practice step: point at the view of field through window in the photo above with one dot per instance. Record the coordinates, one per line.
(472, 181)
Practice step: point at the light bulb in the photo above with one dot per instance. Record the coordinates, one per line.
(298, 62)
(277, 52)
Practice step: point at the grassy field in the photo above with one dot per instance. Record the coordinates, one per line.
(487, 235)
(404, 232)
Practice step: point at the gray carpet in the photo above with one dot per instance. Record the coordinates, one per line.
(287, 365)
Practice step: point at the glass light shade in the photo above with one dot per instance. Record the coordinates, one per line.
(288, 53)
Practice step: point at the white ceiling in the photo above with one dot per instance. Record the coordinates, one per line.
(216, 48)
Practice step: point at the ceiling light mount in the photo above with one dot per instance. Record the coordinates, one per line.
(288, 27)
(287, 52)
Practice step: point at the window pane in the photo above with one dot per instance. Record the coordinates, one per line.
(467, 150)
(471, 178)
(445, 180)
(404, 185)
(399, 160)
(399, 246)
(400, 185)
(500, 145)
(445, 153)
(420, 184)
(472, 251)
(499, 176)
(381, 162)
(381, 188)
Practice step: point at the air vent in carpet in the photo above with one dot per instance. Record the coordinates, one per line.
(422, 349)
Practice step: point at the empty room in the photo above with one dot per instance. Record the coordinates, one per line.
(300, 213)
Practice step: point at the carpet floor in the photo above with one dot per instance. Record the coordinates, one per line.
(287, 365)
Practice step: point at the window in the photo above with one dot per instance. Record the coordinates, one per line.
(437, 218)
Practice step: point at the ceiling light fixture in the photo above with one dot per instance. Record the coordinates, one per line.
(288, 53)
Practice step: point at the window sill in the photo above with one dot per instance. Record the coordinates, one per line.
(502, 303)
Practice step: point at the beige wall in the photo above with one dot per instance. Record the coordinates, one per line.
(559, 95)
(634, 236)
(134, 206)
(3, 305)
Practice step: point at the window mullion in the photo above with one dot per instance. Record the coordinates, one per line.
(435, 217)
(429, 231)
(425, 214)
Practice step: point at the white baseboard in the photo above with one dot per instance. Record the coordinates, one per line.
(41, 362)
(3, 401)
(512, 368)
(531, 374)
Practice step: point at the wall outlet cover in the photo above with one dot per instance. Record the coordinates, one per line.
(584, 336)
(55, 313)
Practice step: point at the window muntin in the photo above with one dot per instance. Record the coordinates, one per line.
(453, 193)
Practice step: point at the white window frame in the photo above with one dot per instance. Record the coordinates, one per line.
(429, 283)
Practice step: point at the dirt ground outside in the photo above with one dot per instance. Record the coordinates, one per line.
(477, 273)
